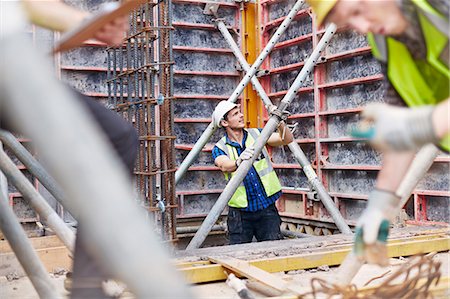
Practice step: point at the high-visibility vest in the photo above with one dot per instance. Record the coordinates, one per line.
(263, 167)
(419, 81)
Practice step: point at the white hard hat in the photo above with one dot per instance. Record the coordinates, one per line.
(221, 109)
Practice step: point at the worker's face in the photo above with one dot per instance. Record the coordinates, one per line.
(235, 119)
(376, 16)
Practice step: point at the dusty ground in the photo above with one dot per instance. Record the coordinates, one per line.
(22, 289)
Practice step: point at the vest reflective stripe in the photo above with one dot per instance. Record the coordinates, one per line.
(263, 167)
(423, 81)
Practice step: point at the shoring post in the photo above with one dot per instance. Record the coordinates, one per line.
(92, 177)
(33, 166)
(22, 248)
(3, 181)
(293, 146)
(209, 131)
(260, 142)
(40, 205)
(418, 168)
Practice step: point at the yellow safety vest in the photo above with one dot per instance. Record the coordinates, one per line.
(263, 167)
(419, 81)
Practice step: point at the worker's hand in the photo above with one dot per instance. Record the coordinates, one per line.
(372, 229)
(113, 33)
(245, 155)
(395, 128)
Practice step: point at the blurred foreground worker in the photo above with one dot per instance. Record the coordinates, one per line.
(55, 15)
(410, 39)
(252, 210)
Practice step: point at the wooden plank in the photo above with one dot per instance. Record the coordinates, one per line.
(52, 258)
(331, 257)
(245, 269)
(37, 243)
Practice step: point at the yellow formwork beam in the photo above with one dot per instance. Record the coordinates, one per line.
(332, 257)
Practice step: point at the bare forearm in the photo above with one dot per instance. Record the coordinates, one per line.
(227, 166)
(285, 134)
(53, 14)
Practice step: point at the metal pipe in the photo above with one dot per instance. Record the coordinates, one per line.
(260, 142)
(418, 168)
(294, 147)
(33, 166)
(17, 239)
(36, 200)
(3, 181)
(92, 177)
(193, 229)
(292, 234)
(182, 169)
(319, 188)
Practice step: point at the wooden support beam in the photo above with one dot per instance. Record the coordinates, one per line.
(331, 257)
(245, 269)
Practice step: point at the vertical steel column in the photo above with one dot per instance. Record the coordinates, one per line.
(293, 146)
(209, 131)
(270, 127)
(148, 104)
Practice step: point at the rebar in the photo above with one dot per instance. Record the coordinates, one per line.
(145, 75)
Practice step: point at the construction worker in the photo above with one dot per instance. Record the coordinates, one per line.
(55, 15)
(252, 211)
(410, 39)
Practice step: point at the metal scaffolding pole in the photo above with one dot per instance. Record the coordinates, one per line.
(93, 178)
(417, 170)
(293, 146)
(33, 166)
(17, 239)
(260, 142)
(39, 204)
(209, 131)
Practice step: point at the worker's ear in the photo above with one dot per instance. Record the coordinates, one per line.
(224, 123)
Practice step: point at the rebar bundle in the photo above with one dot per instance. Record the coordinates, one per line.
(140, 88)
(411, 280)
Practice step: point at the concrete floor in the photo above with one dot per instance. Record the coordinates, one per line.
(22, 288)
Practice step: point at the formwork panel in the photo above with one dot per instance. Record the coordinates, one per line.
(90, 56)
(356, 153)
(355, 182)
(201, 181)
(194, 108)
(351, 68)
(282, 81)
(354, 96)
(86, 81)
(298, 27)
(203, 85)
(290, 55)
(205, 73)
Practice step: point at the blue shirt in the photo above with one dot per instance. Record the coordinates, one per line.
(256, 195)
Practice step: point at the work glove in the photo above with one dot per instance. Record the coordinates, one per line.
(245, 155)
(395, 128)
(372, 229)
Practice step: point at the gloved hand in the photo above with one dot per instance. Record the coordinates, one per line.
(372, 229)
(245, 155)
(396, 128)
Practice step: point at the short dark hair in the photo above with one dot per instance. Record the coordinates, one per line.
(225, 116)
